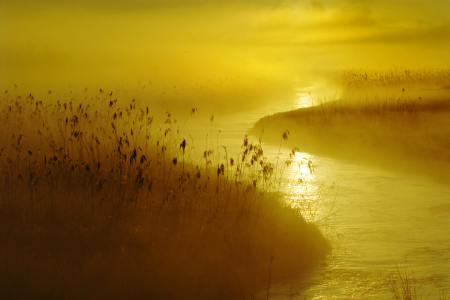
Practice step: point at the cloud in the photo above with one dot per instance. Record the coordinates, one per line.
(343, 25)
(194, 41)
(134, 5)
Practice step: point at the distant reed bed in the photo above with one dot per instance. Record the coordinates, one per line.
(395, 118)
(396, 77)
(99, 202)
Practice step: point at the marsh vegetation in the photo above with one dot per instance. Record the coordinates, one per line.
(99, 202)
(390, 129)
(397, 119)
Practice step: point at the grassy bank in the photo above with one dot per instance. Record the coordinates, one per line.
(397, 119)
(98, 202)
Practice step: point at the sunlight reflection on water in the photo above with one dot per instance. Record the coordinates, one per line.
(304, 97)
(375, 219)
(314, 95)
(302, 189)
(384, 220)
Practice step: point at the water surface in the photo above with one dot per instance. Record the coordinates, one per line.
(377, 220)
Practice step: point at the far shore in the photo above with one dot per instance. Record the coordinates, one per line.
(402, 135)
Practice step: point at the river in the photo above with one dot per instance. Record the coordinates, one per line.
(377, 220)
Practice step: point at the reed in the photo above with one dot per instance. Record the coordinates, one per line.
(95, 204)
(404, 286)
(396, 119)
(354, 79)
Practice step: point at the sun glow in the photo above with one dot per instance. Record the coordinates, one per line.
(146, 146)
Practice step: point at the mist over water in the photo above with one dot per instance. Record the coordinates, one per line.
(69, 45)
(237, 62)
(377, 218)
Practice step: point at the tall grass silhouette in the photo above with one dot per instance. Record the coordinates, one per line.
(98, 202)
(404, 286)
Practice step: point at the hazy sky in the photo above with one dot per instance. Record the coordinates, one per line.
(51, 44)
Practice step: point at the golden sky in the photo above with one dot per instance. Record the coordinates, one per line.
(68, 44)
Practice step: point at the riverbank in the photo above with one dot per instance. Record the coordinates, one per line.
(403, 134)
(386, 158)
(98, 202)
